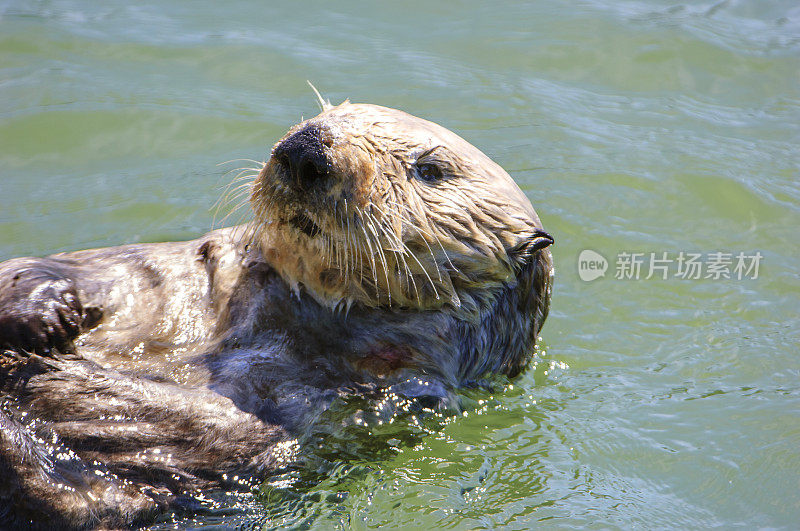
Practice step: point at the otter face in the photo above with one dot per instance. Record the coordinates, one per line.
(372, 205)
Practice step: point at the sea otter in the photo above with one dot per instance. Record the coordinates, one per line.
(385, 252)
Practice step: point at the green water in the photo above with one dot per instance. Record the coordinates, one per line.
(648, 126)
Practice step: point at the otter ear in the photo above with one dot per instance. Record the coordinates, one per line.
(522, 253)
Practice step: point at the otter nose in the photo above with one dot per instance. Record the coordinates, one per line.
(303, 155)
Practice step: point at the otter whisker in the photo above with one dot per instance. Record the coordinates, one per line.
(425, 241)
(323, 105)
(383, 259)
(351, 257)
(339, 251)
(244, 169)
(327, 250)
(371, 255)
(242, 216)
(249, 233)
(404, 220)
(424, 269)
(332, 247)
(242, 160)
(241, 198)
(246, 230)
(330, 250)
(410, 280)
(255, 231)
(393, 241)
(262, 207)
(250, 177)
(330, 244)
(362, 250)
(245, 174)
(236, 192)
(438, 241)
(346, 247)
(361, 247)
(269, 193)
(350, 235)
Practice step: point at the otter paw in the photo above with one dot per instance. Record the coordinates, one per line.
(39, 312)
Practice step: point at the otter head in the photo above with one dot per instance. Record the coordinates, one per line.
(372, 206)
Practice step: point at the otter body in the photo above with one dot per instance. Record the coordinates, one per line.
(386, 253)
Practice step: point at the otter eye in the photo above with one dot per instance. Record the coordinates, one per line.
(429, 172)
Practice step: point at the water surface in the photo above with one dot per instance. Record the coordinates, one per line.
(632, 125)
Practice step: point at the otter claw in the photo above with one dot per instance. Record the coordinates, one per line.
(38, 312)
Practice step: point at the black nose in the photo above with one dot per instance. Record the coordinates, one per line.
(303, 156)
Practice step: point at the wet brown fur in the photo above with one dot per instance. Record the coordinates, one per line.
(132, 377)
